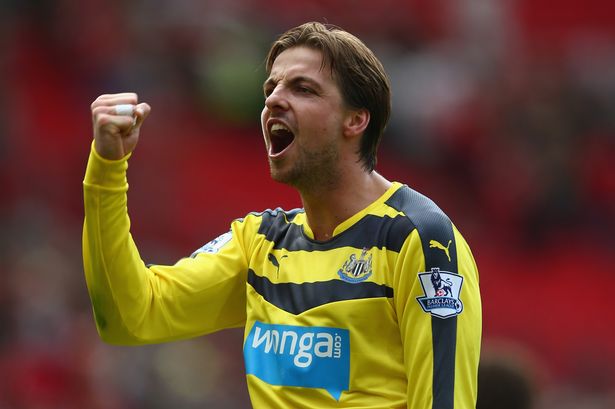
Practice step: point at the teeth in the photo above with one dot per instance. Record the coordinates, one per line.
(279, 127)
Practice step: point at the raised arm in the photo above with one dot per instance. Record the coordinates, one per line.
(134, 303)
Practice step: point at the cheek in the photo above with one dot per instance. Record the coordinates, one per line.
(326, 125)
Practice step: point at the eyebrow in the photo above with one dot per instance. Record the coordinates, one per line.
(294, 81)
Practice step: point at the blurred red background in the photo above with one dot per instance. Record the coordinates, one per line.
(504, 114)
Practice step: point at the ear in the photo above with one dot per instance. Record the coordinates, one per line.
(356, 122)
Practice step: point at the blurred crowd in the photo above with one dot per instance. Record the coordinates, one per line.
(503, 112)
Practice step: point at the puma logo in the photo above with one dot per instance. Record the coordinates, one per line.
(275, 262)
(436, 244)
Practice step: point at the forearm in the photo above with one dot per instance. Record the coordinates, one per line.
(117, 278)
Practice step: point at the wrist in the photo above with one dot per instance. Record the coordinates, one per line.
(109, 152)
(104, 172)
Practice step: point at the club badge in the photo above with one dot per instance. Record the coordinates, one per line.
(356, 270)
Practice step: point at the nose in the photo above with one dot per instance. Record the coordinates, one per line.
(277, 99)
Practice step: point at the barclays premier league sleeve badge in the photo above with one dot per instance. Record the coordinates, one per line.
(441, 289)
(215, 245)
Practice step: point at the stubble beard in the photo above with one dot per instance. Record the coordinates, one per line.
(313, 172)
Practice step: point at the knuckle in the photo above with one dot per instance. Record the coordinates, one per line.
(102, 120)
(96, 110)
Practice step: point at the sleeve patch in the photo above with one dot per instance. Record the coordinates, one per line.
(441, 293)
(215, 245)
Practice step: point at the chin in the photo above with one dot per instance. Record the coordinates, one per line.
(287, 177)
(277, 174)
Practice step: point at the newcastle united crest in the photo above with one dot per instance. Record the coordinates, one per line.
(356, 270)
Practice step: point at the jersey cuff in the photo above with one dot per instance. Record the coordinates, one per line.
(105, 172)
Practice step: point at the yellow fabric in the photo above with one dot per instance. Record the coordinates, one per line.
(390, 353)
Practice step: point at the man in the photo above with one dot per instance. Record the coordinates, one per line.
(336, 299)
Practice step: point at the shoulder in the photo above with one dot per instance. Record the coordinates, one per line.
(423, 212)
(270, 219)
(434, 227)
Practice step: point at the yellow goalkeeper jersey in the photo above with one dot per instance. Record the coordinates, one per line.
(385, 314)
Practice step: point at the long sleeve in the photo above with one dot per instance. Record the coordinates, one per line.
(438, 306)
(136, 304)
(440, 332)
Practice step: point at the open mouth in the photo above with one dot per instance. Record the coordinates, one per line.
(281, 138)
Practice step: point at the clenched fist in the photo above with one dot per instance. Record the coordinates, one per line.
(117, 119)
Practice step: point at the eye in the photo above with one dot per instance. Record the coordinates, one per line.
(269, 87)
(304, 90)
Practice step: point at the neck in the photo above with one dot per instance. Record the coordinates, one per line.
(328, 206)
